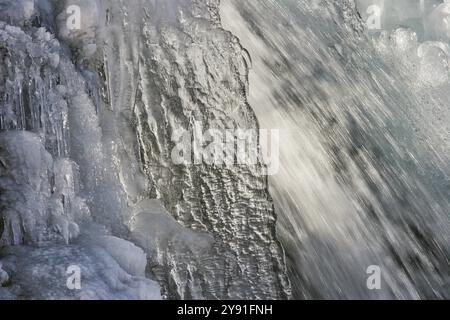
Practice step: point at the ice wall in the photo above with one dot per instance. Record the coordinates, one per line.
(184, 68)
(104, 99)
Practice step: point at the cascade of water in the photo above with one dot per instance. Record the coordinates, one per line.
(355, 187)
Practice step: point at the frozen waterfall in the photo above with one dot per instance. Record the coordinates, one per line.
(98, 96)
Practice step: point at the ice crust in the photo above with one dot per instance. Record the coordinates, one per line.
(86, 118)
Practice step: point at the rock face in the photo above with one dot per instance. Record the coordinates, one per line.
(187, 69)
(105, 100)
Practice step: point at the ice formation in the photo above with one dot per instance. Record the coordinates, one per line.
(86, 178)
(89, 104)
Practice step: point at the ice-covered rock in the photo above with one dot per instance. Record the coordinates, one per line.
(434, 63)
(153, 227)
(80, 271)
(131, 258)
(164, 239)
(107, 94)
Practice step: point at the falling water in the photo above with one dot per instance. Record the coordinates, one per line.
(364, 180)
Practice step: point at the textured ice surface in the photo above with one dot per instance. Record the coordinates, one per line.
(165, 240)
(100, 105)
(25, 185)
(427, 62)
(166, 65)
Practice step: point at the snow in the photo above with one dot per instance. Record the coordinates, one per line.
(40, 206)
(102, 276)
